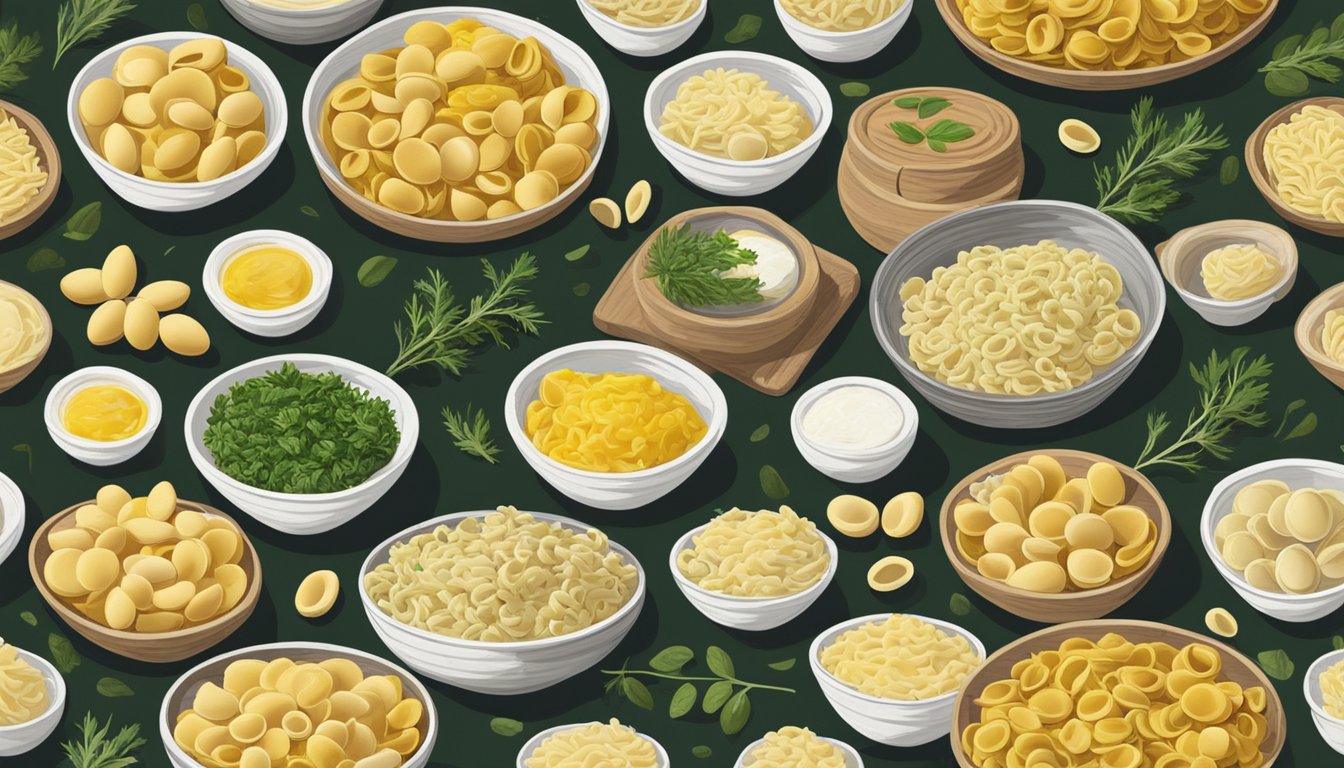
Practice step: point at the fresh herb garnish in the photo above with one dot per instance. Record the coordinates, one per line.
(1304, 427)
(15, 51)
(85, 222)
(1276, 663)
(783, 665)
(63, 653)
(196, 17)
(506, 726)
(854, 89)
(45, 258)
(81, 20)
(1138, 187)
(577, 253)
(772, 484)
(581, 289)
(375, 270)
(95, 750)
(1337, 642)
(1231, 393)
(1230, 170)
(760, 433)
(701, 751)
(28, 618)
(296, 432)
(938, 135)
(689, 265)
(748, 26)
(113, 688)
(441, 332)
(308, 210)
(959, 604)
(471, 433)
(1298, 57)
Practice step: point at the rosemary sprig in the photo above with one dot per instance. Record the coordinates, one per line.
(1298, 57)
(80, 20)
(1232, 390)
(689, 265)
(95, 750)
(471, 432)
(1139, 186)
(441, 332)
(15, 51)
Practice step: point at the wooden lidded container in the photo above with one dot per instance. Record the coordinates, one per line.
(889, 187)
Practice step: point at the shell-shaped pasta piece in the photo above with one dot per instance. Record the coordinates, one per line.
(1028, 481)
(191, 560)
(417, 161)
(1043, 577)
(747, 145)
(1049, 520)
(458, 68)
(502, 208)
(187, 83)
(1221, 622)
(175, 596)
(1089, 568)
(1308, 516)
(1256, 498)
(204, 54)
(100, 102)
(218, 159)
(413, 59)
(495, 151)
(1296, 570)
(466, 206)
(111, 498)
(1007, 539)
(158, 621)
(239, 110)
(972, 517)
(902, 514)
(1240, 548)
(890, 573)
(1077, 136)
(350, 95)
(1129, 524)
(606, 212)
(1091, 531)
(96, 569)
(120, 148)
(995, 565)
(566, 162)
(1271, 540)
(317, 593)
(250, 144)
(459, 158)
(438, 134)
(1077, 494)
(1106, 484)
(59, 573)
(1277, 515)
(535, 189)
(1036, 548)
(494, 49)
(414, 86)
(70, 538)
(401, 196)
(177, 150)
(495, 183)
(350, 130)
(215, 703)
(378, 68)
(853, 516)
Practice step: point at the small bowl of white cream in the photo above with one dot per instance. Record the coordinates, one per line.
(854, 429)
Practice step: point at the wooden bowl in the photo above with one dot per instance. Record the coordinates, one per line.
(1264, 178)
(1182, 255)
(155, 647)
(1236, 668)
(11, 378)
(1105, 80)
(1064, 606)
(1307, 333)
(51, 163)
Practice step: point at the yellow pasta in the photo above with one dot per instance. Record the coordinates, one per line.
(1018, 321)
(21, 172)
(1118, 704)
(756, 554)
(23, 331)
(1305, 157)
(23, 691)
(593, 746)
(902, 658)
(734, 114)
(841, 15)
(317, 593)
(1332, 690)
(611, 422)
(503, 577)
(1239, 271)
(1332, 335)
(647, 13)
(1284, 540)
(794, 747)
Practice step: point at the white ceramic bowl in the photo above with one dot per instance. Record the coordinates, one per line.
(642, 41)
(739, 178)
(1181, 259)
(843, 47)
(749, 613)
(618, 490)
(304, 513)
(848, 465)
(97, 452)
(499, 668)
(268, 322)
(183, 691)
(12, 516)
(852, 758)
(167, 196)
(887, 721)
(663, 761)
(1297, 473)
(323, 21)
(1330, 728)
(18, 739)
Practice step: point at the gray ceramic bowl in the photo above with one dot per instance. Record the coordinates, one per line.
(1007, 225)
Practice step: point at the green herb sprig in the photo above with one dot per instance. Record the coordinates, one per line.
(78, 21)
(1232, 391)
(94, 749)
(471, 433)
(441, 332)
(1139, 185)
(15, 51)
(938, 135)
(689, 265)
(1299, 57)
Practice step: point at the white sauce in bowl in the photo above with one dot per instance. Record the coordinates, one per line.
(853, 418)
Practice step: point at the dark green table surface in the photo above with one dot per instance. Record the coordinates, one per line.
(357, 323)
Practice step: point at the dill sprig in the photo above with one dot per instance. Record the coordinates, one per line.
(441, 332)
(1231, 393)
(1298, 57)
(80, 20)
(95, 750)
(688, 267)
(471, 432)
(1139, 186)
(15, 51)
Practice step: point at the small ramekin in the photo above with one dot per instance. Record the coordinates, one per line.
(25, 737)
(12, 516)
(268, 322)
(852, 758)
(642, 41)
(97, 452)
(663, 761)
(842, 47)
(1330, 728)
(848, 465)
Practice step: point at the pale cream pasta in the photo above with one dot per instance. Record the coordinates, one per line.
(1332, 335)
(1332, 690)
(841, 15)
(903, 658)
(794, 747)
(503, 577)
(1018, 321)
(596, 745)
(23, 691)
(756, 554)
(734, 114)
(1305, 157)
(21, 172)
(647, 13)
(1239, 271)
(24, 331)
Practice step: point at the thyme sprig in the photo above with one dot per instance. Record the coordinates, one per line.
(95, 750)
(689, 265)
(80, 20)
(1298, 57)
(15, 51)
(471, 432)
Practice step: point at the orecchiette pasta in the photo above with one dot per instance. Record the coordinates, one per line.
(1239, 271)
(756, 554)
(504, 577)
(902, 658)
(647, 13)
(841, 15)
(1018, 321)
(23, 176)
(794, 747)
(596, 745)
(1332, 690)
(734, 114)
(23, 691)
(1332, 335)
(1305, 157)
(1284, 540)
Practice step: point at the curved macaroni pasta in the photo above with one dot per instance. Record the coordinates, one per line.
(841, 15)
(734, 114)
(503, 577)
(756, 554)
(23, 332)
(611, 422)
(1332, 335)
(1018, 321)
(794, 747)
(647, 13)
(1239, 271)
(21, 173)
(595, 745)
(1332, 690)
(1305, 157)
(23, 691)
(902, 658)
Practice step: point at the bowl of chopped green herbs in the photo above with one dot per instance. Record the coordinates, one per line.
(302, 443)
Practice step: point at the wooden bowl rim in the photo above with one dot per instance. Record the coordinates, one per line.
(972, 577)
(1261, 176)
(46, 148)
(1307, 342)
(74, 617)
(1171, 251)
(29, 366)
(859, 118)
(1096, 628)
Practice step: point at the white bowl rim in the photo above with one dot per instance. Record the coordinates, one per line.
(317, 10)
(338, 365)
(676, 26)
(814, 656)
(789, 20)
(263, 75)
(11, 520)
(903, 402)
(54, 681)
(137, 386)
(756, 601)
(1322, 662)
(231, 247)
(717, 421)
(851, 754)
(1194, 299)
(1146, 335)
(764, 61)
(599, 91)
(424, 526)
(1206, 528)
(540, 736)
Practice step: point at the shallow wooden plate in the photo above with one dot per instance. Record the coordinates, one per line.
(1264, 178)
(51, 163)
(1307, 333)
(11, 378)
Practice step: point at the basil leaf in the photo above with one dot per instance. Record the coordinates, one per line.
(733, 716)
(28, 618)
(196, 17)
(84, 224)
(907, 102)
(720, 663)
(1286, 82)
(63, 654)
(1337, 28)
(375, 270)
(672, 659)
(1337, 643)
(1292, 407)
(959, 605)
(1304, 427)
(932, 106)
(748, 26)
(26, 449)
(854, 89)
(772, 484)
(716, 696)
(308, 210)
(950, 131)
(1230, 170)
(582, 289)
(1317, 36)
(637, 693)
(701, 751)
(1286, 46)
(906, 132)
(682, 701)
(505, 726)
(113, 688)
(937, 146)
(782, 666)
(1276, 663)
(577, 253)
(761, 433)
(45, 258)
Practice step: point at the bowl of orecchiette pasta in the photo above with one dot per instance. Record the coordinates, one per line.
(843, 30)
(644, 27)
(1018, 315)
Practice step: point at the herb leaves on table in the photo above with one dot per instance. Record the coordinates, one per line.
(688, 266)
(15, 51)
(80, 20)
(94, 749)
(1299, 57)
(471, 432)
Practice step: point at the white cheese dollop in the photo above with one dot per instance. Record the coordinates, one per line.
(776, 265)
(853, 418)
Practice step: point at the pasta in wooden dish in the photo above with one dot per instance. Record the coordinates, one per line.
(734, 114)
(1021, 321)
(504, 577)
(841, 15)
(594, 744)
(903, 658)
(1239, 271)
(1305, 158)
(23, 690)
(756, 554)
(1332, 335)
(24, 330)
(23, 175)
(794, 747)
(1282, 539)
(647, 13)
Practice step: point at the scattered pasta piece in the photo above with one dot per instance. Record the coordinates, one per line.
(1239, 272)
(902, 658)
(890, 573)
(317, 593)
(1332, 690)
(1284, 540)
(647, 13)
(1221, 622)
(756, 554)
(1305, 158)
(734, 114)
(853, 516)
(637, 200)
(606, 211)
(1332, 335)
(903, 514)
(21, 174)
(23, 691)
(841, 15)
(594, 744)
(794, 747)
(1078, 136)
